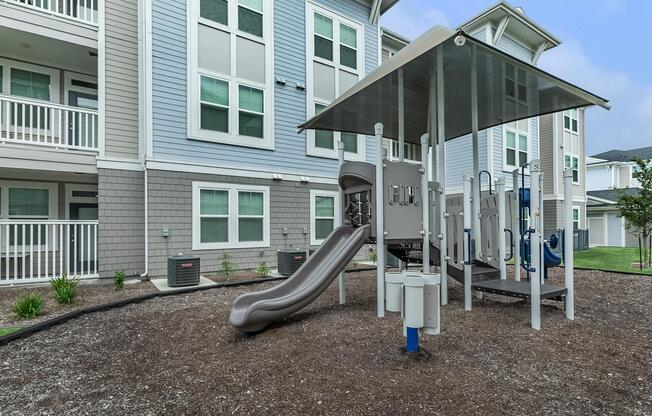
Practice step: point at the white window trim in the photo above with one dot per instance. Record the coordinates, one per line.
(53, 196)
(510, 168)
(569, 152)
(313, 229)
(579, 216)
(311, 8)
(233, 216)
(193, 93)
(7, 64)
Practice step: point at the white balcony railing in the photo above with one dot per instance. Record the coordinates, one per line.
(79, 10)
(36, 251)
(42, 123)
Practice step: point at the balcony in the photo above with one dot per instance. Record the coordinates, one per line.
(37, 251)
(41, 123)
(84, 11)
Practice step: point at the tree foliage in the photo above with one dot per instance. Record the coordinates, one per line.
(636, 209)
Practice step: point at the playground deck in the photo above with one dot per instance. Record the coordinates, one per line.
(520, 289)
(180, 356)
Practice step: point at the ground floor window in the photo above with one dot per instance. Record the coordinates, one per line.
(576, 218)
(324, 214)
(230, 216)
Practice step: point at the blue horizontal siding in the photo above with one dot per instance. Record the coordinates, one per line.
(169, 86)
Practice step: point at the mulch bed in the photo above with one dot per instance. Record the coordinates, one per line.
(89, 293)
(178, 355)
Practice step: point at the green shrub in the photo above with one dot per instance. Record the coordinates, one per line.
(65, 289)
(373, 257)
(226, 265)
(29, 306)
(263, 270)
(119, 279)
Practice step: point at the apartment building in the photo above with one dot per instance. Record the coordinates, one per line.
(69, 110)
(607, 174)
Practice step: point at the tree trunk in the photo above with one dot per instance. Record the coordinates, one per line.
(640, 253)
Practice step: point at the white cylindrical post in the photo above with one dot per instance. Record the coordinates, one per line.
(341, 282)
(468, 236)
(500, 192)
(516, 227)
(401, 117)
(475, 223)
(542, 228)
(425, 205)
(380, 222)
(535, 246)
(568, 243)
(441, 153)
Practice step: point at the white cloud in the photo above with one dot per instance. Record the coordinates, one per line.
(629, 123)
(412, 18)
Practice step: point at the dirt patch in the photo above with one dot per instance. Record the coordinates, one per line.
(88, 294)
(178, 355)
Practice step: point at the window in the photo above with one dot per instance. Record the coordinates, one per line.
(27, 201)
(516, 144)
(230, 72)
(334, 64)
(324, 214)
(230, 216)
(571, 143)
(515, 83)
(411, 151)
(576, 218)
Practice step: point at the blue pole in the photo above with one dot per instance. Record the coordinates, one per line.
(412, 341)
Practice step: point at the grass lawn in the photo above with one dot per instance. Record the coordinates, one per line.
(9, 330)
(610, 258)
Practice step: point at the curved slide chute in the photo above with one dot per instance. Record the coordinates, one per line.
(550, 258)
(254, 311)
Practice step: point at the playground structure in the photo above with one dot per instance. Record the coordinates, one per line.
(442, 86)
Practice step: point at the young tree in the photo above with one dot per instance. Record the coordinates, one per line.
(637, 210)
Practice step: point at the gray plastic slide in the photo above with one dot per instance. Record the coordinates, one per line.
(254, 311)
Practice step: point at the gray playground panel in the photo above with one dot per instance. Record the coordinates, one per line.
(403, 214)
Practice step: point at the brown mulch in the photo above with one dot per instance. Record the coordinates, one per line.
(178, 355)
(88, 294)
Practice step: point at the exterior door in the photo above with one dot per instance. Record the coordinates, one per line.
(82, 248)
(79, 128)
(596, 232)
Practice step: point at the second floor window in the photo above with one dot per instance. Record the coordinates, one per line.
(230, 72)
(516, 144)
(572, 143)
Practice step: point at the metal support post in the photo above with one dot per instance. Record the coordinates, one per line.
(401, 117)
(468, 236)
(535, 246)
(502, 252)
(341, 282)
(441, 153)
(425, 205)
(475, 224)
(516, 221)
(568, 243)
(380, 222)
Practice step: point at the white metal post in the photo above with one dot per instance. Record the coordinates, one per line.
(425, 205)
(441, 151)
(401, 117)
(341, 282)
(542, 228)
(516, 219)
(535, 245)
(468, 235)
(500, 192)
(568, 243)
(380, 222)
(475, 224)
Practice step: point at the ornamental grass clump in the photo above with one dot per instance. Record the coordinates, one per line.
(64, 288)
(29, 306)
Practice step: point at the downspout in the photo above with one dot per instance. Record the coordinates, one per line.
(146, 114)
(145, 275)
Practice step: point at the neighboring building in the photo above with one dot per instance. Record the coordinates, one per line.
(69, 117)
(606, 173)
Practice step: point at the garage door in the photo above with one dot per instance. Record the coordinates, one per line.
(596, 231)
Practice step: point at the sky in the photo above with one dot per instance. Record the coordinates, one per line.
(606, 48)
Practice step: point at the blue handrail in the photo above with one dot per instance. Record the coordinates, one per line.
(511, 244)
(526, 265)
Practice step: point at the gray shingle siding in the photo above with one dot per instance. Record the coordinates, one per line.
(121, 229)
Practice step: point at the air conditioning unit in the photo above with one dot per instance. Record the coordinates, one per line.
(183, 271)
(289, 261)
